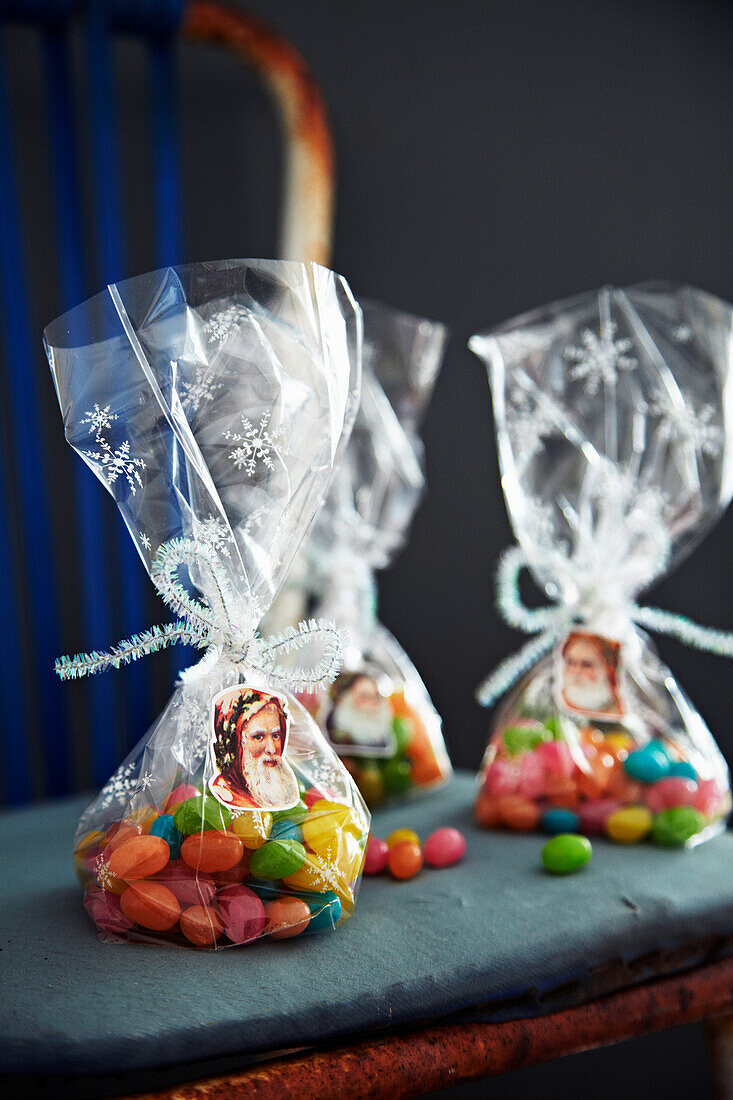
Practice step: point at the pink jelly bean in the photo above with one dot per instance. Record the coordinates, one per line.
(376, 856)
(444, 847)
(105, 911)
(242, 912)
(556, 758)
(531, 776)
(708, 797)
(180, 794)
(501, 778)
(668, 793)
(188, 887)
(592, 816)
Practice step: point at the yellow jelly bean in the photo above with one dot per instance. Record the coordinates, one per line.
(252, 828)
(619, 741)
(401, 835)
(326, 826)
(321, 875)
(629, 824)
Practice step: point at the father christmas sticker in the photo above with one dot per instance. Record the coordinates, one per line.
(588, 676)
(357, 715)
(247, 751)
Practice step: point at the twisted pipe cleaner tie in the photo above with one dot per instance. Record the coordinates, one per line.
(207, 625)
(552, 622)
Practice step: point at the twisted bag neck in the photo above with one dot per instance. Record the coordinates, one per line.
(208, 625)
(550, 623)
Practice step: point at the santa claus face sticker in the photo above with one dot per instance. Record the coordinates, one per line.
(588, 676)
(359, 718)
(247, 751)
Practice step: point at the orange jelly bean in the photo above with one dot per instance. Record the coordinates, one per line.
(286, 917)
(118, 834)
(138, 857)
(212, 850)
(405, 859)
(151, 906)
(517, 812)
(486, 812)
(201, 925)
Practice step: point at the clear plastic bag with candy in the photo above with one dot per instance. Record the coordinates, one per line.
(212, 401)
(377, 714)
(614, 433)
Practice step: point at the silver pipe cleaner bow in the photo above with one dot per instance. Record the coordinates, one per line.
(208, 625)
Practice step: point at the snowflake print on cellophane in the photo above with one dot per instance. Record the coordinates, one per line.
(614, 445)
(212, 402)
(377, 715)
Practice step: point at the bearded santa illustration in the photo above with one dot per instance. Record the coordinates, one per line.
(589, 676)
(250, 733)
(360, 717)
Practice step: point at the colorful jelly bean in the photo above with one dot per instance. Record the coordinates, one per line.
(286, 829)
(398, 835)
(566, 853)
(151, 906)
(405, 859)
(556, 820)
(189, 887)
(444, 847)
(397, 776)
(709, 797)
(375, 859)
(242, 912)
(516, 812)
(592, 816)
(286, 917)
(683, 769)
(277, 859)
(486, 811)
(648, 764)
(325, 826)
(181, 794)
(199, 814)
(311, 795)
(201, 925)
(105, 910)
(138, 857)
(371, 785)
(253, 828)
(629, 825)
(502, 778)
(669, 792)
(163, 827)
(674, 828)
(325, 910)
(212, 851)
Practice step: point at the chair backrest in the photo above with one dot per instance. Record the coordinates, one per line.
(54, 738)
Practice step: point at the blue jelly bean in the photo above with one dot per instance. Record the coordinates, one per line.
(285, 829)
(265, 890)
(556, 820)
(683, 769)
(325, 909)
(648, 764)
(163, 827)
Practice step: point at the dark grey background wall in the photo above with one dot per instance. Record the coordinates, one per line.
(491, 157)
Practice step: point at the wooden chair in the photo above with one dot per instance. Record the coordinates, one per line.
(465, 1033)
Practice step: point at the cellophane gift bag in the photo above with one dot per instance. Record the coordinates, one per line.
(211, 400)
(613, 419)
(377, 714)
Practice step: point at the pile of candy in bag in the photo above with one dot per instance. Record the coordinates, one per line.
(377, 715)
(213, 401)
(613, 422)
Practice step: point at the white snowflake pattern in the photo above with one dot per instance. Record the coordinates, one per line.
(214, 532)
(254, 444)
(200, 390)
(99, 419)
(528, 424)
(682, 334)
(600, 358)
(689, 424)
(118, 462)
(102, 873)
(144, 540)
(120, 787)
(221, 324)
(192, 728)
(144, 783)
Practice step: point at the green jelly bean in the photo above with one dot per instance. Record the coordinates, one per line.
(402, 730)
(397, 777)
(298, 812)
(566, 853)
(200, 814)
(277, 858)
(676, 826)
(520, 739)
